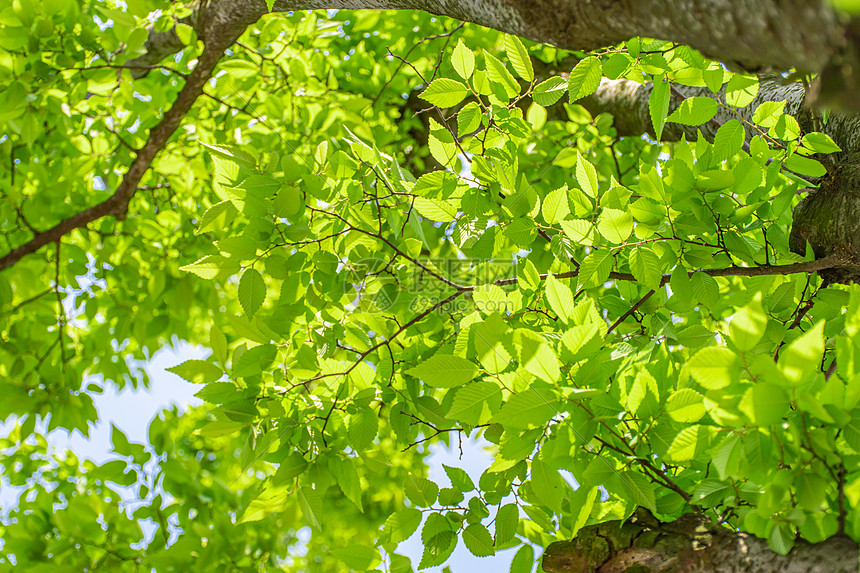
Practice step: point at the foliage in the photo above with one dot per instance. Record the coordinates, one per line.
(385, 252)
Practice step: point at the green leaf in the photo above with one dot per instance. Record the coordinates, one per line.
(402, 524)
(524, 560)
(362, 429)
(658, 104)
(820, 143)
(768, 113)
(770, 403)
(444, 92)
(555, 207)
(271, 500)
(728, 140)
(469, 119)
(584, 78)
(478, 540)
(747, 326)
(615, 225)
(805, 165)
(421, 491)
(311, 504)
(507, 521)
(741, 90)
(540, 360)
(459, 478)
(530, 408)
(498, 73)
(694, 111)
(252, 291)
(645, 266)
(586, 175)
(595, 269)
(445, 371)
(463, 60)
(212, 266)
(519, 58)
(475, 403)
(801, 359)
(559, 297)
(548, 92)
(713, 368)
(690, 441)
(686, 406)
(197, 371)
(439, 540)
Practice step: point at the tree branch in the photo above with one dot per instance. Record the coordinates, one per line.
(233, 24)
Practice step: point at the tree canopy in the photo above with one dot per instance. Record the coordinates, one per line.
(627, 267)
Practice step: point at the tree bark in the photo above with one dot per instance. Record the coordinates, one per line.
(643, 544)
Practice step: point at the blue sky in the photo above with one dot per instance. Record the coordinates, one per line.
(132, 411)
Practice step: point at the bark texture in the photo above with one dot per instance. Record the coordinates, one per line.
(642, 544)
(829, 219)
(755, 34)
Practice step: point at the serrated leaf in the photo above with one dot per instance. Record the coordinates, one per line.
(507, 520)
(530, 408)
(741, 90)
(312, 506)
(645, 266)
(463, 60)
(615, 225)
(252, 291)
(459, 478)
(560, 298)
(475, 403)
(686, 406)
(362, 428)
(747, 326)
(469, 119)
(498, 73)
(585, 78)
(271, 500)
(694, 111)
(212, 266)
(548, 92)
(555, 207)
(445, 371)
(768, 113)
(595, 268)
(586, 175)
(519, 58)
(658, 104)
(439, 540)
(445, 92)
(728, 140)
(197, 371)
(402, 524)
(820, 143)
(713, 368)
(478, 540)
(524, 560)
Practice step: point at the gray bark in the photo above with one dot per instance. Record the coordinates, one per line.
(781, 34)
(642, 544)
(755, 35)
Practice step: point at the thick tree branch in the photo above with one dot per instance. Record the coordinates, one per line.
(689, 545)
(755, 35)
